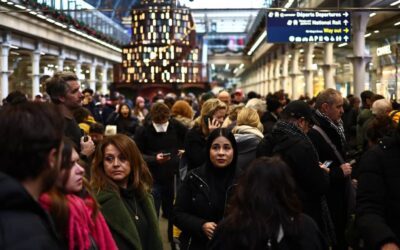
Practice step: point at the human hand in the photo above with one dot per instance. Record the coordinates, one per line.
(87, 146)
(213, 124)
(180, 152)
(390, 246)
(209, 228)
(323, 167)
(162, 158)
(346, 168)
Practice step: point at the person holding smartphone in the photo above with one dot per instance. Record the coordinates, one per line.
(212, 116)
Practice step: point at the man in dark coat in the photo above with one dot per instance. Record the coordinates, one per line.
(29, 166)
(329, 109)
(378, 196)
(289, 140)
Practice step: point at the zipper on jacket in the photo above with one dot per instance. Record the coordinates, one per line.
(226, 197)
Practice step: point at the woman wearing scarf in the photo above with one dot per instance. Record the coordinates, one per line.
(122, 182)
(202, 198)
(78, 221)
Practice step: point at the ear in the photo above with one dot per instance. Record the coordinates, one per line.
(324, 107)
(61, 99)
(52, 158)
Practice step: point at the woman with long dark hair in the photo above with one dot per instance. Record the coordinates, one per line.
(78, 221)
(203, 195)
(265, 213)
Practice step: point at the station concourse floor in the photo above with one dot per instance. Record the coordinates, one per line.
(163, 229)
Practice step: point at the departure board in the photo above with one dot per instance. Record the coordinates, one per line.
(308, 26)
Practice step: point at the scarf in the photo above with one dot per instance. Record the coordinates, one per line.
(338, 126)
(292, 130)
(81, 227)
(245, 129)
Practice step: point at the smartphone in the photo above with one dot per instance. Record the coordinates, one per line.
(166, 154)
(327, 163)
(205, 119)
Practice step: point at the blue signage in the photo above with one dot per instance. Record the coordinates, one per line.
(308, 26)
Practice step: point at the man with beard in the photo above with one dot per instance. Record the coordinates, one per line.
(29, 166)
(64, 91)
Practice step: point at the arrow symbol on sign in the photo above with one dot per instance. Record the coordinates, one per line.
(345, 22)
(346, 38)
(346, 14)
(346, 30)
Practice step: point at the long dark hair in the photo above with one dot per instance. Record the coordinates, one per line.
(263, 201)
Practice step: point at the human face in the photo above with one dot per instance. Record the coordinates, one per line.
(75, 180)
(221, 152)
(96, 137)
(335, 110)
(125, 111)
(116, 166)
(219, 115)
(73, 98)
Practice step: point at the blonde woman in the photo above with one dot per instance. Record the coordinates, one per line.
(212, 116)
(248, 134)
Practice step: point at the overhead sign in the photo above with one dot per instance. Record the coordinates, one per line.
(308, 26)
(384, 50)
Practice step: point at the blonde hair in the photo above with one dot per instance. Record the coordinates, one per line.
(249, 117)
(208, 108)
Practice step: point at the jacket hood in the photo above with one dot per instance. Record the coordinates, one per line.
(247, 142)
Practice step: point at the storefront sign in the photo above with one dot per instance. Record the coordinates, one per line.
(384, 50)
(308, 26)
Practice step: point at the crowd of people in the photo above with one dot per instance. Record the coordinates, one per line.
(227, 171)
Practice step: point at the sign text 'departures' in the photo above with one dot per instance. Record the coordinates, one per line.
(308, 26)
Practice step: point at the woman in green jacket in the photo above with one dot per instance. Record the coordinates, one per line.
(122, 182)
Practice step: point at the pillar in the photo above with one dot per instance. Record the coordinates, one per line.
(92, 80)
(328, 67)
(359, 57)
(35, 72)
(4, 50)
(285, 70)
(295, 72)
(271, 86)
(78, 68)
(277, 73)
(104, 88)
(60, 60)
(308, 70)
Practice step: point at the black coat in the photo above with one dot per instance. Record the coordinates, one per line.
(193, 207)
(309, 238)
(378, 194)
(195, 148)
(151, 143)
(338, 196)
(23, 223)
(311, 181)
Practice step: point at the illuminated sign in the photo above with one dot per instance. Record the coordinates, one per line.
(308, 26)
(384, 50)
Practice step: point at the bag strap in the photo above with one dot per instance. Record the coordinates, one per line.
(326, 138)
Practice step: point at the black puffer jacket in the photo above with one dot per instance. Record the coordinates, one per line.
(247, 148)
(378, 194)
(195, 206)
(23, 223)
